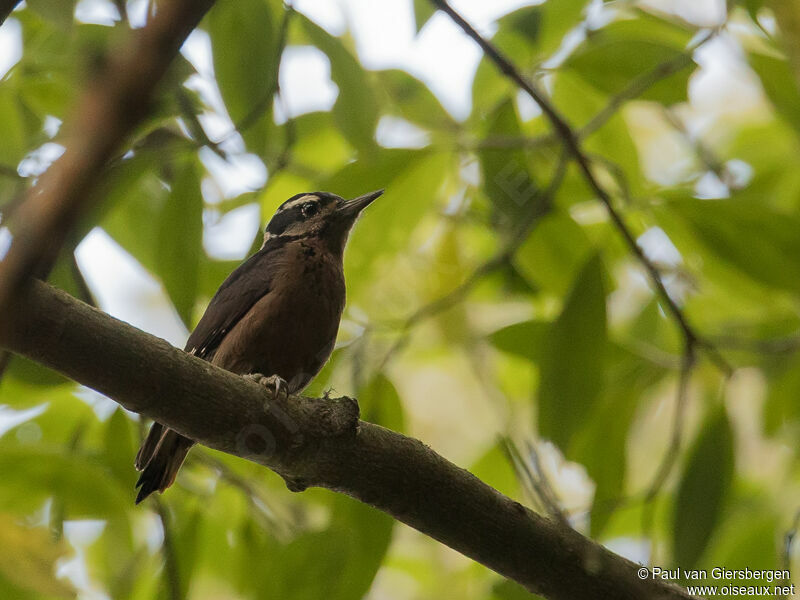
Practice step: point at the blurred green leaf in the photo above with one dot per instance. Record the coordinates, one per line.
(613, 56)
(423, 11)
(306, 568)
(29, 559)
(748, 235)
(523, 339)
(180, 239)
(356, 108)
(380, 403)
(244, 39)
(553, 252)
(119, 448)
(780, 84)
(628, 377)
(702, 490)
(573, 368)
(507, 179)
(413, 100)
(782, 406)
(57, 11)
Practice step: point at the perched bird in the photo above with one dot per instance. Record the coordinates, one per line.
(277, 314)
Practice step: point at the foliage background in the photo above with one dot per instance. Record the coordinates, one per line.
(553, 366)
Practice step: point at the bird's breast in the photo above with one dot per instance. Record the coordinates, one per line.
(290, 331)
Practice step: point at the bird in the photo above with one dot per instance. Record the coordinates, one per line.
(276, 315)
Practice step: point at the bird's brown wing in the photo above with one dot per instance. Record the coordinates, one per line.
(245, 286)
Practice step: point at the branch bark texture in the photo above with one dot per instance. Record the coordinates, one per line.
(317, 442)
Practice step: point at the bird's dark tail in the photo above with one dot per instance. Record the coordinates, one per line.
(159, 459)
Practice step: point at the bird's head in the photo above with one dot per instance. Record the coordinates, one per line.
(320, 215)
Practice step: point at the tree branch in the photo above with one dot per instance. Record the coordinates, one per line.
(6, 8)
(317, 442)
(114, 104)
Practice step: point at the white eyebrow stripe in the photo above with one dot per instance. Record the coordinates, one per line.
(302, 200)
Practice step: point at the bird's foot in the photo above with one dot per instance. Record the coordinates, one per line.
(274, 383)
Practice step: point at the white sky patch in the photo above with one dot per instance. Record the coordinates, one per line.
(10, 418)
(305, 81)
(239, 174)
(125, 290)
(230, 236)
(37, 162)
(98, 12)
(657, 246)
(10, 45)
(51, 125)
(394, 132)
(5, 241)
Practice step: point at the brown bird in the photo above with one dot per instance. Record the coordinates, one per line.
(277, 314)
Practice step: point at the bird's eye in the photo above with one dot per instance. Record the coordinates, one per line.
(309, 208)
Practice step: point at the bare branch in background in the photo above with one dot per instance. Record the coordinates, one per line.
(112, 106)
(318, 442)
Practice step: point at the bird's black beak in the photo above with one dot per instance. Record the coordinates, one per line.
(353, 207)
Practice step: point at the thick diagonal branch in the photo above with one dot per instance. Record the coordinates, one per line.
(317, 442)
(113, 105)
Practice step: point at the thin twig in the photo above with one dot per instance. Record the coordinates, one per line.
(563, 129)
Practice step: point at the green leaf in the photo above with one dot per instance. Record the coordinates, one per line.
(615, 55)
(413, 100)
(423, 11)
(30, 557)
(780, 85)
(507, 179)
(542, 26)
(356, 108)
(244, 42)
(57, 11)
(523, 339)
(572, 369)
(628, 377)
(553, 253)
(337, 563)
(380, 403)
(180, 239)
(749, 235)
(782, 406)
(703, 489)
(119, 448)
